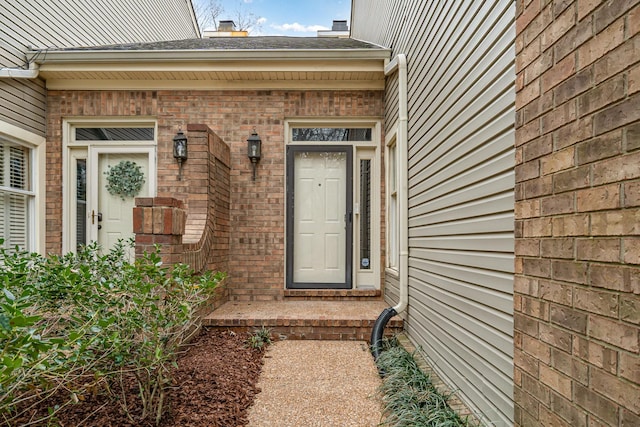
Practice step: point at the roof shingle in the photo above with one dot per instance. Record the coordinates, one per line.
(240, 43)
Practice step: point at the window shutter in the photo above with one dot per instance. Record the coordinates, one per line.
(3, 217)
(18, 168)
(2, 164)
(14, 207)
(18, 216)
(3, 197)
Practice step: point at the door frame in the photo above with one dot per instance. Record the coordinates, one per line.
(290, 209)
(73, 150)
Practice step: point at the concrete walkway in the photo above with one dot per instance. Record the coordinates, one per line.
(317, 384)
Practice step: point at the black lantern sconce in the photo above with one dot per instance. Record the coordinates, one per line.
(254, 150)
(180, 151)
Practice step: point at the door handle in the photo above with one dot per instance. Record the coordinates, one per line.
(93, 216)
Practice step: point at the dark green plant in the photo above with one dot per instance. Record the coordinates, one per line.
(408, 395)
(260, 338)
(81, 322)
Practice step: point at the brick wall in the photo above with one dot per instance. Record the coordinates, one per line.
(257, 241)
(577, 285)
(200, 235)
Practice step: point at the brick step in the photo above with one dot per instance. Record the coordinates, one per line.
(333, 294)
(314, 320)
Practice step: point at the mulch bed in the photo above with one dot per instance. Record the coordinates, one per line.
(214, 385)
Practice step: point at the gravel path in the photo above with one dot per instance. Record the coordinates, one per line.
(317, 383)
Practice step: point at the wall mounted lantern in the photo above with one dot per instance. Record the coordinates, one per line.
(180, 151)
(254, 150)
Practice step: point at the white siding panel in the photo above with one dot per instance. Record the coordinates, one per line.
(484, 206)
(443, 351)
(391, 290)
(461, 75)
(466, 242)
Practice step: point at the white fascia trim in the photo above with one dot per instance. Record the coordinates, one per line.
(68, 84)
(261, 65)
(67, 56)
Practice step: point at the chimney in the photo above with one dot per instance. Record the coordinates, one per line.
(339, 29)
(226, 28)
(339, 26)
(228, 25)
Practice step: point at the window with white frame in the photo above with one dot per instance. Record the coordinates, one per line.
(392, 207)
(16, 195)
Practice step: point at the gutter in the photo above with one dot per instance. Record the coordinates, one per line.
(207, 55)
(20, 73)
(399, 64)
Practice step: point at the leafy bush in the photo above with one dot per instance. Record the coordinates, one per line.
(82, 322)
(409, 397)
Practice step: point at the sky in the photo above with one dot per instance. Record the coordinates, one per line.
(297, 18)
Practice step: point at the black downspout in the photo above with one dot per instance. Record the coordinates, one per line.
(378, 330)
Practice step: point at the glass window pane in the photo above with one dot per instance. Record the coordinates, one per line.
(14, 219)
(365, 214)
(18, 214)
(331, 134)
(14, 208)
(392, 169)
(81, 203)
(18, 171)
(2, 161)
(114, 134)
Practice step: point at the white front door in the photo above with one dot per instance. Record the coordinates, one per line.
(319, 217)
(112, 214)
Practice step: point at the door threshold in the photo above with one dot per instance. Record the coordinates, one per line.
(332, 294)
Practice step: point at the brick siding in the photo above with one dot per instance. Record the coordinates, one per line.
(256, 221)
(577, 284)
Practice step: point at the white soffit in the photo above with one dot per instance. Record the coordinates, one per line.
(204, 69)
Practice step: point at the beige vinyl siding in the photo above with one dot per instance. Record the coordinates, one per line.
(69, 23)
(391, 289)
(66, 23)
(22, 104)
(461, 113)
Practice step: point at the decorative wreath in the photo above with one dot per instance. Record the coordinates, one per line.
(124, 179)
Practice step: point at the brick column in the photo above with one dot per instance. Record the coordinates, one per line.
(159, 221)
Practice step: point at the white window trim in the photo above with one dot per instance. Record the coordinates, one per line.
(393, 250)
(37, 205)
(374, 144)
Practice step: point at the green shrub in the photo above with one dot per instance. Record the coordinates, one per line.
(409, 397)
(80, 322)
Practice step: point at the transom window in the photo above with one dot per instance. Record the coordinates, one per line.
(114, 134)
(330, 134)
